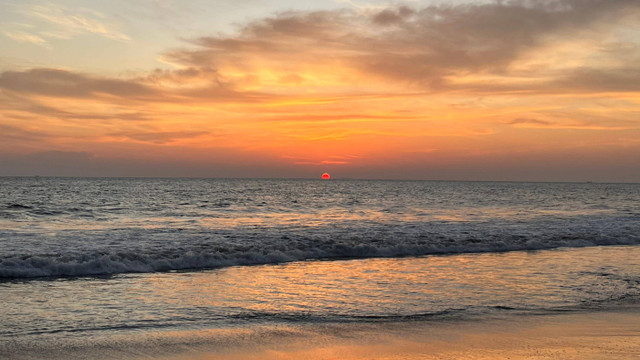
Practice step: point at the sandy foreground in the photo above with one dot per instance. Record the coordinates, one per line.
(577, 335)
(600, 335)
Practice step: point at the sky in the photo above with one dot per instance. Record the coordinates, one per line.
(512, 90)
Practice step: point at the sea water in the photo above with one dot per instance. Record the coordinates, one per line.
(87, 263)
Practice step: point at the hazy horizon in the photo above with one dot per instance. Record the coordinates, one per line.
(177, 177)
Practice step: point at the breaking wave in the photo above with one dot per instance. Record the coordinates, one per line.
(281, 250)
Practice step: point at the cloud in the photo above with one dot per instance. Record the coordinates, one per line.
(527, 121)
(46, 21)
(63, 83)
(24, 107)
(462, 48)
(15, 133)
(160, 85)
(393, 16)
(159, 137)
(587, 123)
(25, 37)
(74, 21)
(417, 46)
(621, 79)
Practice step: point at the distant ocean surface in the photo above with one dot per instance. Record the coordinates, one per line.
(81, 259)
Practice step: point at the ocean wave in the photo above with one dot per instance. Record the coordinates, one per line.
(16, 206)
(280, 250)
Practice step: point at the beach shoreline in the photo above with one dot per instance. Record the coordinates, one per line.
(589, 335)
(574, 335)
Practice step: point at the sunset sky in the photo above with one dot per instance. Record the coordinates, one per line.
(461, 90)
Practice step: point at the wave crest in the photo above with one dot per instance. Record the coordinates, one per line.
(280, 250)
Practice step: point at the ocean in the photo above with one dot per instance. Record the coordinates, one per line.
(136, 268)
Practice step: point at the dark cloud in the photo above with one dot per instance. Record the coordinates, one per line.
(438, 42)
(25, 107)
(62, 83)
(180, 76)
(17, 90)
(623, 79)
(393, 16)
(317, 25)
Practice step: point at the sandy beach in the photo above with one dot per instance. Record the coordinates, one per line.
(601, 335)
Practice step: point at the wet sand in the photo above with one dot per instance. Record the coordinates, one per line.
(601, 335)
(580, 335)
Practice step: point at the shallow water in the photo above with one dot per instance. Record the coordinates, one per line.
(73, 315)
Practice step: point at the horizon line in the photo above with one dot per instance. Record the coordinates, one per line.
(320, 179)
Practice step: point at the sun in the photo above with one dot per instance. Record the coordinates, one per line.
(326, 176)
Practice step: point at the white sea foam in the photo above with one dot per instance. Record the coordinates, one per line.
(279, 250)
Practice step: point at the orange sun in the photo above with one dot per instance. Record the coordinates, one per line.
(326, 176)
